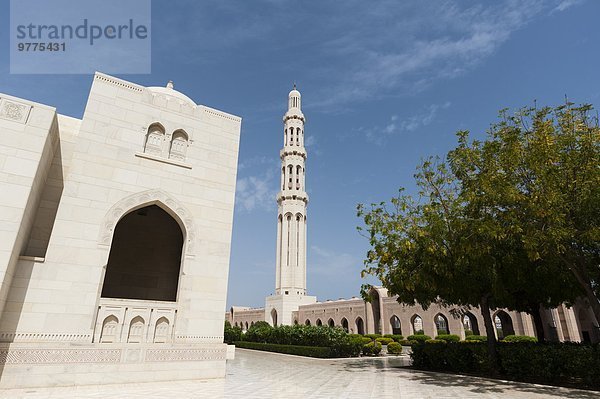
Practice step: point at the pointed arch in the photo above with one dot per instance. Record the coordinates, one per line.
(395, 325)
(441, 324)
(136, 330)
(307, 322)
(416, 322)
(109, 329)
(319, 322)
(161, 330)
(331, 323)
(360, 326)
(344, 324)
(503, 323)
(158, 197)
(274, 317)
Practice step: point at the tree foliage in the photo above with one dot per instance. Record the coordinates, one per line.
(510, 222)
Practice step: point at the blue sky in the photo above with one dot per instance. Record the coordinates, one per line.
(384, 85)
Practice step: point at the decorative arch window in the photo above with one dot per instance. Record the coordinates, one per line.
(179, 144)
(136, 330)
(161, 331)
(331, 323)
(109, 329)
(155, 138)
(307, 322)
(298, 136)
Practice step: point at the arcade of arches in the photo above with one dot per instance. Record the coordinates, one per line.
(384, 315)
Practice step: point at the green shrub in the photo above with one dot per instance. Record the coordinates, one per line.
(405, 342)
(448, 337)
(384, 340)
(395, 337)
(373, 348)
(340, 343)
(476, 338)
(519, 338)
(231, 334)
(435, 341)
(418, 337)
(419, 332)
(366, 340)
(441, 332)
(572, 363)
(373, 336)
(310, 351)
(394, 348)
(468, 332)
(347, 347)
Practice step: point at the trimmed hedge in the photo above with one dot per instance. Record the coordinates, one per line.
(372, 348)
(476, 338)
(395, 337)
(550, 363)
(384, 340)
(519, 338)
(373, 336)
(448, 337)
(336, 339)
(310, 351)
(418, 337)
(394, 348)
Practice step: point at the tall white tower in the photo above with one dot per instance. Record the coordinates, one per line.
(290, 266)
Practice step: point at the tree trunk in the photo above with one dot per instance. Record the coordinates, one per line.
(538, 323)
(585, 283)
(491, 335)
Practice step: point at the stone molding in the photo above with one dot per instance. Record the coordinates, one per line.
(150, 197)
(59, 356)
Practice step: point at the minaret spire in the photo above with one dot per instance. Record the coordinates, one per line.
(292, 201)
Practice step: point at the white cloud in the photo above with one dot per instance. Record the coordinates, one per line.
(397, 125)
(255, 192)
(404, 47)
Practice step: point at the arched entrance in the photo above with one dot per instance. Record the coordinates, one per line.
(395, 324)
(307, 322)
(441, 324)
(145, 256)
(319, 322)
(470, 324)
(504, 324)
(345, 324)
(417, 324)
(331, 323)
(360, 326)
(274, 318)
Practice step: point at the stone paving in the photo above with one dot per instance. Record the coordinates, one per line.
(265, 375)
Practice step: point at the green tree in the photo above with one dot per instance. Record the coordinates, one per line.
(428, 250)
(538, 175)
(510, 222)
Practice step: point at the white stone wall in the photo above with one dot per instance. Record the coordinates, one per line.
(99, 170)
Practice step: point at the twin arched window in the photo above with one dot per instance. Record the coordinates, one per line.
(172, 146)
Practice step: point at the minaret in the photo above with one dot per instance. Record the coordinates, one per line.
(290, 263)
(292, 201)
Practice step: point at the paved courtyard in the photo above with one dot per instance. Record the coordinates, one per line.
(265, 375)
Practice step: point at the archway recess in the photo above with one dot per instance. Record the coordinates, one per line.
(145, 256)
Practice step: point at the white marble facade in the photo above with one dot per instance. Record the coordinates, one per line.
(115, 234)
